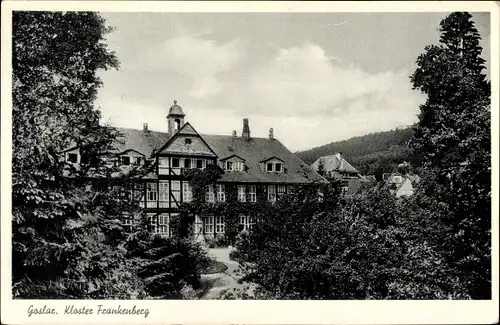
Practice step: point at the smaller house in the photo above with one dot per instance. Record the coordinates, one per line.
(405, 188)
(337, 167)
(401, 185)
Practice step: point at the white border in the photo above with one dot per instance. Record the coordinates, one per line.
(268, 312)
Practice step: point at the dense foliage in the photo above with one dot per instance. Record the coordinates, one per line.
(372, 154)
(68, 239)
(368, 246)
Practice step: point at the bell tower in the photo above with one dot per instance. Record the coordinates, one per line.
(175, 118)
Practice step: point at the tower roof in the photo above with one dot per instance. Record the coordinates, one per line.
(176, 109)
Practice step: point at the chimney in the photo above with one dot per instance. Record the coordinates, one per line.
(271, 134)
(246, 130)
(234, 134)
(145, 127)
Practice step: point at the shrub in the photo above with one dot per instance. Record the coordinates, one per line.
(221, 240)
(166, 265)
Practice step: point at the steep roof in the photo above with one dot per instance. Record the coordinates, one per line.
(334, 162)
(253, 151)
(145, 142)
(256, 150)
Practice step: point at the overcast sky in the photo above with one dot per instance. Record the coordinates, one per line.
(314, 78)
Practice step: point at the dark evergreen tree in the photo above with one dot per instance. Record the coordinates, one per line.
(453, 140)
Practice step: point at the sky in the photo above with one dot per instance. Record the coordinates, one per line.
(314, 78)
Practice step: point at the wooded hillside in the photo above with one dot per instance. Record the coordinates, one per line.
(372, 153)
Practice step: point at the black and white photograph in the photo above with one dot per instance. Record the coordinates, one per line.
(154, 156)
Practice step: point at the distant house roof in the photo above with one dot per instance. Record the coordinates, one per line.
(399, 189)
(334, 162)
(255, 150)
(371, 178)
(413, 178)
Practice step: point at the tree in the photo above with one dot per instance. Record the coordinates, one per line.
(453, 140)
(368, 246)
(66, 237)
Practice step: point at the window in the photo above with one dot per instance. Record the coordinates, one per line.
(187, 163)
(321, 196)
(221, 195)
(163, 225)
(175, 190)
(209, 225)
(73, 158)
(252, 193)
(153, 225)
(177, 124)
(151, 192)
(210, 195)
(187, 141)
(277, 167)
(246, 222)
(281, 189)
(271, 193)
(219, 224)
(163, 162)
(238, 165)
(175, 162)
(163, 194)
(241, 193)
(229, 165)
(199, 163)
(137, 160)
(128, 220)
(187, 194)
(125, 160)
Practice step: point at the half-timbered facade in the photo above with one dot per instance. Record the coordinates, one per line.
(256, 168)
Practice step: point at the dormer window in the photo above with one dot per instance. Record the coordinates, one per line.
(235, 164)
(73, 158)
(125, 160)
(274, 166)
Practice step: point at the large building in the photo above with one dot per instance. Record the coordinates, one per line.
(255, 167)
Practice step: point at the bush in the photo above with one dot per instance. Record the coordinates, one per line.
(221, 241)
(167, 265)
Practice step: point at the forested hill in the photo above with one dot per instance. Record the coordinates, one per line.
(373, 153)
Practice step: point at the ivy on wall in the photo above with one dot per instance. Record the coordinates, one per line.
(231, 209)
